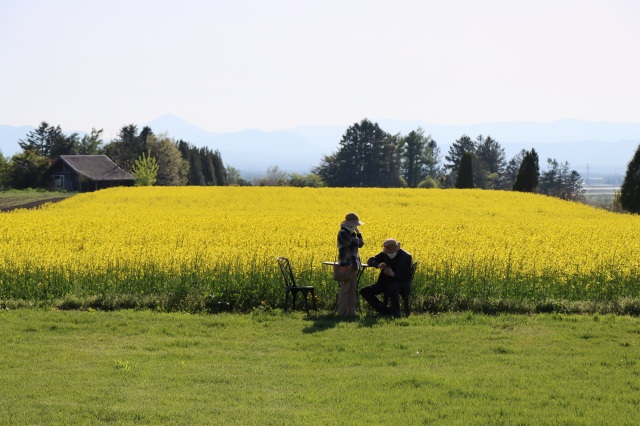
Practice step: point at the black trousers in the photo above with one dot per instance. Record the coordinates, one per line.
(392, 290)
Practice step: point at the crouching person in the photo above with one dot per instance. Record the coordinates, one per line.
(395, 274)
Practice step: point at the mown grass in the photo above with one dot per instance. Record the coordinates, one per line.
(145, 367)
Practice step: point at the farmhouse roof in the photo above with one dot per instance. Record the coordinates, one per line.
(96, 167)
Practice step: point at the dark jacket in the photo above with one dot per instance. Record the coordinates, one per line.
(348, 245)
(400, 265)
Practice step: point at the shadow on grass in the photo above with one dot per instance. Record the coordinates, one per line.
(321, 322)
(325, 322)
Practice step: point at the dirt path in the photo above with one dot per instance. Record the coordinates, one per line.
(32, 204)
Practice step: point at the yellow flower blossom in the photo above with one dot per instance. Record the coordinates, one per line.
(137, 239)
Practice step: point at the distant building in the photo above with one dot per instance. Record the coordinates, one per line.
(86, 173)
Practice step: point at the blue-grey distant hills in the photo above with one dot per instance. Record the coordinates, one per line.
(589, 147)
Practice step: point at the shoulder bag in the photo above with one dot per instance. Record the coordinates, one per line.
(342, 273)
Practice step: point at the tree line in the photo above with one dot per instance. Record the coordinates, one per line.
(175, 162)
(367, 156)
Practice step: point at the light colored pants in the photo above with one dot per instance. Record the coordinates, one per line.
(347, 295)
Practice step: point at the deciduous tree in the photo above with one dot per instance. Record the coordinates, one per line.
(559, 181)
(275, 176)
(27, 168)
(145, 170)
(91, 144)
(235, 178)
(172, 168)
(5, 179)
(309, 180)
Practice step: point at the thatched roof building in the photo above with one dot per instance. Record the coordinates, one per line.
(84, 173)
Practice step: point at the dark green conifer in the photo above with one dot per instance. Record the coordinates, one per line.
(465, 172)
(630, 189)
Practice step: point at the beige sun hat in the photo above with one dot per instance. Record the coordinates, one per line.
(352, 217)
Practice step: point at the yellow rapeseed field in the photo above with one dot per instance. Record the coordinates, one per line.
(473, 241)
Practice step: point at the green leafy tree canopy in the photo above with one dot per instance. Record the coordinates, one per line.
(145, 170)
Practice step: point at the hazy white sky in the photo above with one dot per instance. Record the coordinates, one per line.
(274, 64)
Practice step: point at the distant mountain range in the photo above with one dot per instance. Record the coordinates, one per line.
(596, 148)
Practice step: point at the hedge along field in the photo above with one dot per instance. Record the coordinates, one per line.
(190, 248)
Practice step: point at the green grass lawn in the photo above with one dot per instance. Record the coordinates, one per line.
(145, 367)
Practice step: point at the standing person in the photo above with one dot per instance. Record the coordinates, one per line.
(349, 241)
(395, 273)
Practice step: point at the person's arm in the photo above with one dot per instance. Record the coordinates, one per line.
(361, 240)
(375, 260)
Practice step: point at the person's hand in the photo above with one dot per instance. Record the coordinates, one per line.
(389, 272)
(382, 265)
